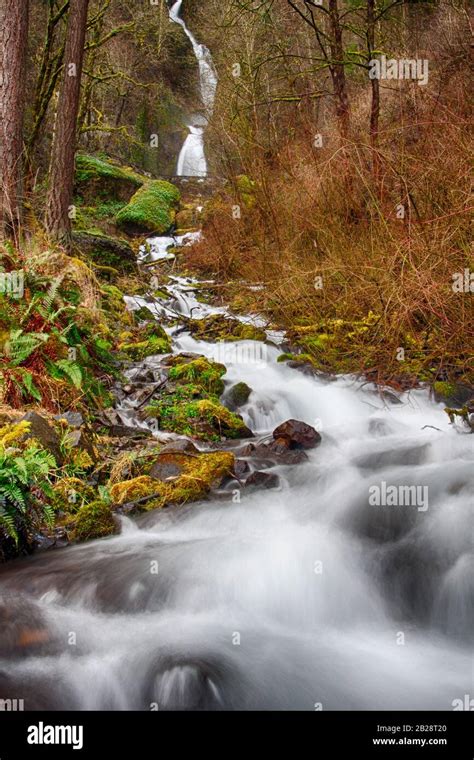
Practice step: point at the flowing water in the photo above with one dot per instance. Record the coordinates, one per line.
(192, 160)
(290, 598)
(308, 596)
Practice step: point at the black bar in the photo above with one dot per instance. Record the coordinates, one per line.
(317, 734)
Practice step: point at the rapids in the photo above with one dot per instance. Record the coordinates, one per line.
(286, 599)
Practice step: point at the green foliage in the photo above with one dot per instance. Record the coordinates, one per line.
(25, 468)
(20, 346)
(65, 368)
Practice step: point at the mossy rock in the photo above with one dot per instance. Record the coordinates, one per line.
(152, 209)
(201, 371)
(94, 520)
(237, 395)
(155, 344)
(143, 314)
(106, 251)
(197, 475)
(113, 306)
(97, 178)
(70, 494)
(203, 418)
(455, 394)
(217, 327)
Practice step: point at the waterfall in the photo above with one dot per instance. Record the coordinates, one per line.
(192, 160)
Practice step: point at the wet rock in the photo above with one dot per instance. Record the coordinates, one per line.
(180, 445)
(241, 467)
(279, 445)
(166, 468)
(45, 434)
(274, 453)
(402, 457)
(452, 394)
(124, 431)
(298, 434)
(237, 396)
(260, 479)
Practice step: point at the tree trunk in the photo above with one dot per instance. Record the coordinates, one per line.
(13, 42)
(375, 85)
(337, 70)
(61, 172)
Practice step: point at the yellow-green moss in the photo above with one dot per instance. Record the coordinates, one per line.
(200, 371)
(217, 327)
(198, 474)
(70, 494)
(94, 520)
(142, 349)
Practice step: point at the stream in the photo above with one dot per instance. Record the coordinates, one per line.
(306, 596)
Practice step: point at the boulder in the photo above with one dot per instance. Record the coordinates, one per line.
(236, 396)
(262, 480)
(152, 209)
(176, 477)
(298, 434)
(45, 434)
(106, 251)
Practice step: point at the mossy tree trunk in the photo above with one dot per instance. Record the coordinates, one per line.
(61, 173)
(13, 43)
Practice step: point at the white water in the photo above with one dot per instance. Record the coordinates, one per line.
(192, 160)
(241, 614)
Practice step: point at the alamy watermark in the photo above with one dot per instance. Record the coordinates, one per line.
(12, 705)
(242, 352)
(386, 495)
(399, 68)
(12, 283)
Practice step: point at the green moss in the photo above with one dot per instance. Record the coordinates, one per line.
(151, 209)
(203, 418)
(246, 190)
(70, 494)
(148, 347)
(444, 389)
(91, 167)
(201, 371)
(94, 520)
(303, 358)
(198, 474)
(113, 306)
(218, 327)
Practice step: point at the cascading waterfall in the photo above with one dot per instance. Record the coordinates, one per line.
(289, 598)
(192, 160)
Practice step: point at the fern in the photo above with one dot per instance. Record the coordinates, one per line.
(24, 464)
(71, 370)
(20, 346)
(52, 293)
